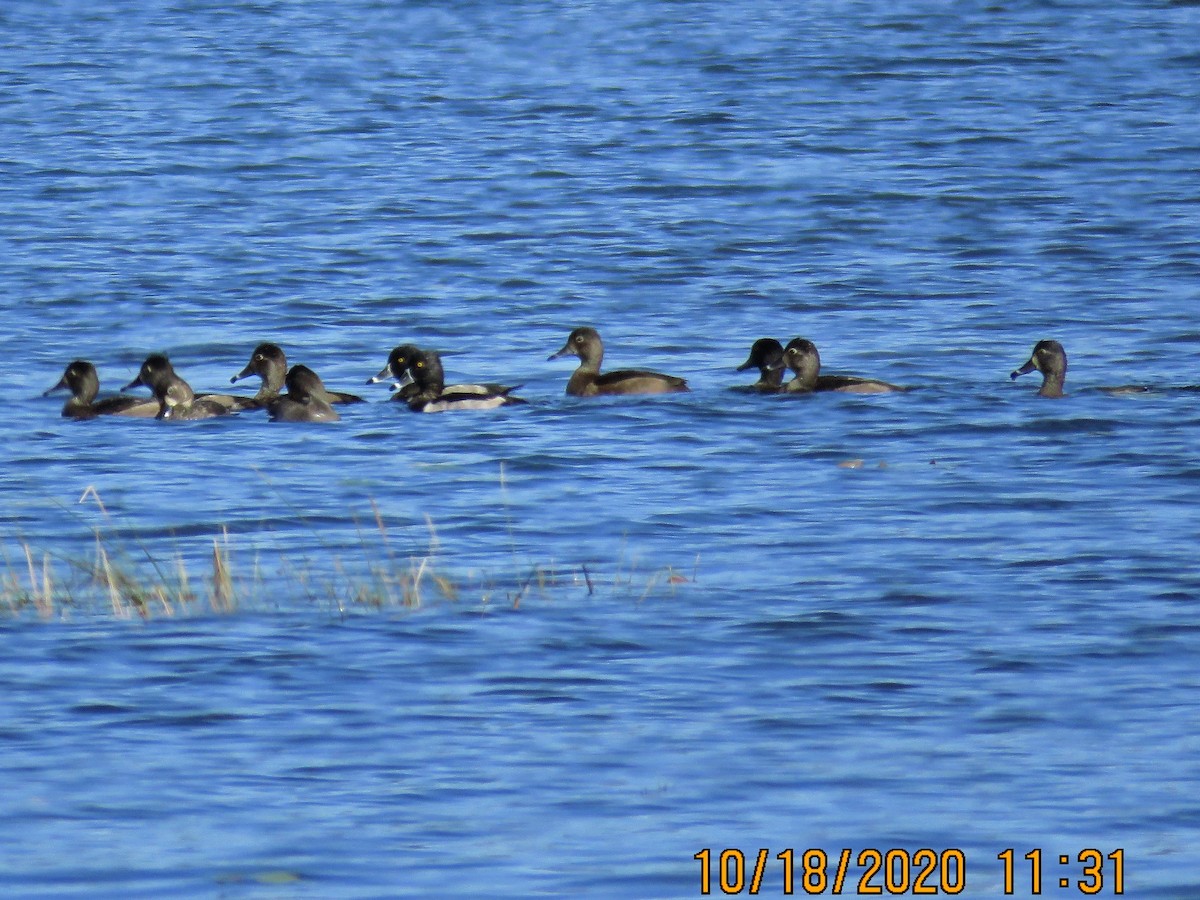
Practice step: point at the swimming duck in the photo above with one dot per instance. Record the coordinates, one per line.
(766, 355)
(306, 399)
(587, 381)
(399, 367)
(175, 397)
(81, 379)
(1050, 359)
(269, 363)
(157, 366)
(802, 357)
(432, 395)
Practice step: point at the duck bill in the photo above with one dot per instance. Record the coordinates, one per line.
(565, 351)
(384, 374)
(137, 382)
(1024, 370)
(62, 383)
(245, 373)
(405, 379)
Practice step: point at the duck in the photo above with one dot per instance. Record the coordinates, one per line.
(84, 384)
(587, 381)
(766, 355)
(306, 399)
(1049, 358)
(176, 400)
(158, 366)
(432, 395)
(802, 357)
(269, 363)
(399, 368)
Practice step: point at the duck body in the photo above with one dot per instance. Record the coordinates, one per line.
(399, 369)
(81, 380)
(587, 380)
(766, 355)
(176, 400)
(306, 399)
(803, 358)
(429, 393)
(269, 363)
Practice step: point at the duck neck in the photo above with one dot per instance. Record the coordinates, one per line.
(590, 359)
(770, 379)
(1052, 384)
(272, 384)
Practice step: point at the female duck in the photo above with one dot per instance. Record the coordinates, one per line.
(269, 363)
(588, 382)
(84, 384)
(1050, 359)
(306, 399)
(399, 368)
(766, 355)
(431, 394)
(802, 357)
(175, 397)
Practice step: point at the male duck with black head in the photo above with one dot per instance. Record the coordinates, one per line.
(176, 400)
(802, 357)
(84, 384)
(269, 363)
(1050, 359)
(431, 394)
(399, 368)
(399, 362)
(306, 399)
(766, 355)
(588, 382)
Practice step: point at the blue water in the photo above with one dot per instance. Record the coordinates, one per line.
(560, 649)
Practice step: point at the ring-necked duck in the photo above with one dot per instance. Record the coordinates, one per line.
(399, 369)
(269, 363)
(587, 381)
(766, 355)
(1050, 359)
(306, 399)
(432, 395)
(81, 379)
(175, 397)
(802, 357)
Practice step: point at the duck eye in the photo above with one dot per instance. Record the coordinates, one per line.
(579, 338)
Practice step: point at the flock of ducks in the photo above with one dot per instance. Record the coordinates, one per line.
(297, 394)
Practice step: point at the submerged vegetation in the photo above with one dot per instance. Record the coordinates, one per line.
(127, 580)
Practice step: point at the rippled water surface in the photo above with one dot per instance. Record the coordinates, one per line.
(560, 649)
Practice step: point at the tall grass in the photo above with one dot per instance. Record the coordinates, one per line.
(126, 580)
